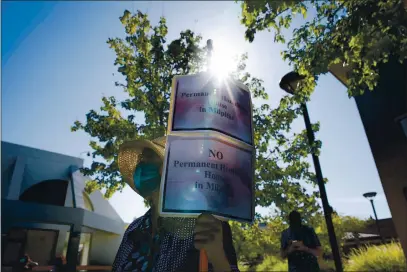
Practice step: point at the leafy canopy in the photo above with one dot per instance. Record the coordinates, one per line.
(252, 241)
(148, 63)
(360, 34)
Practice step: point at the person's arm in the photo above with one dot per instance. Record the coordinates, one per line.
(31, 262)
(316, 248)
(228, 260)
(215, 237)
(229, 248)
(285, 248)
(317, 252)
(285, 252)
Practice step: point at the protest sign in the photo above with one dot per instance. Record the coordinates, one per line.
(209, 165)
(207, 173)
(202, 102)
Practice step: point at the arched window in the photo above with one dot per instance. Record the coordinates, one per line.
(50, 192)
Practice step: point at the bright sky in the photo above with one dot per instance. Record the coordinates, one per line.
(56, 66)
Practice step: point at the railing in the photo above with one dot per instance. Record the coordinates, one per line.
(78, 268)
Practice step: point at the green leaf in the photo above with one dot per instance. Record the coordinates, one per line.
(362, 34)
(304, 11)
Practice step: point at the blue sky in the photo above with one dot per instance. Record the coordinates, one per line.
(56, 66)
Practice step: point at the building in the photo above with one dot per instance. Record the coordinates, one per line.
(384, 113)
(370, 235)
(46, 212)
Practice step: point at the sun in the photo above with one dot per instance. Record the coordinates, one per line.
(223, 61)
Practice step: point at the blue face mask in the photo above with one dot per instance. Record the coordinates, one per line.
(146, 178)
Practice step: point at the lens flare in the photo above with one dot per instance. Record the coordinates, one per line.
(223, 61)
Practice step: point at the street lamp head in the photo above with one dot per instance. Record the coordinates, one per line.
(209, 44)
(370, 195)
(402, 120)
(289, 82)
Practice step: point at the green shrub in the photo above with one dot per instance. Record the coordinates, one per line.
(244, 268)
(280, 266)
(384, 258)
(272, 263)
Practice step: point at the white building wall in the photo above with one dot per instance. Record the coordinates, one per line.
(102, 206)
(103, 248)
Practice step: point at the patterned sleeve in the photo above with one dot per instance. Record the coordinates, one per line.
(125, 248)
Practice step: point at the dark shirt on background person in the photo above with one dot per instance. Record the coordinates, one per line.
(300, 245)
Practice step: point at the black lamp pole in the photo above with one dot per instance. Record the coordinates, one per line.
(370, 196)
(289, 84)
(209, 49)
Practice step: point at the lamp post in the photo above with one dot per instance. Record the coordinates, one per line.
(209, 49)
(370, 196)
(289, 83)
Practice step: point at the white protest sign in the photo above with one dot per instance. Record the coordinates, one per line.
(202, 102)
(207, 174)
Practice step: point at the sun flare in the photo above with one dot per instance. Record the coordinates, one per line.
(223, 61)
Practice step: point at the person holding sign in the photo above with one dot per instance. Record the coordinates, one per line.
(154, 243)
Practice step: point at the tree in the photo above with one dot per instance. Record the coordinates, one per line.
(250, 241)
(342, 224)
(148, 65)
(148, 69)
(360, 34)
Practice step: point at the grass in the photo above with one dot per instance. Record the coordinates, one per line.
(272, 263)
(389, 257)
(383, 258)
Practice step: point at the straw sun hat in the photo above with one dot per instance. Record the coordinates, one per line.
(131, 154)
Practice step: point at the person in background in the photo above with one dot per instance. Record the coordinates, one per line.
(153, 243)
(300, 245)
(26, 263)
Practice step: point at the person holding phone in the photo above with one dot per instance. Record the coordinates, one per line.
(300, 245)
(154, 243)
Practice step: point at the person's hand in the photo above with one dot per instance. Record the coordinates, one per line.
(290, 249)
(208, 235)
(299, 246)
